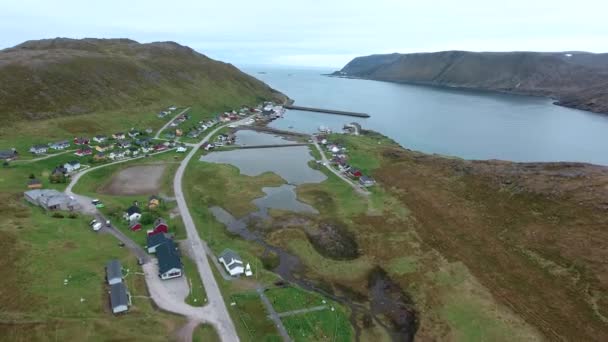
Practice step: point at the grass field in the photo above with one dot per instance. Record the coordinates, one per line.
(205, 333)
(37, 305)
(324, 325)
(197, 296)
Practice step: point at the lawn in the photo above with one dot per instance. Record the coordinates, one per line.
(251, 314)
(197, 296)
(39, 302)
(323, 325)
(291, 298)
(205, 333)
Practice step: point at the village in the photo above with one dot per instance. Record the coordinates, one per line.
(151, 227)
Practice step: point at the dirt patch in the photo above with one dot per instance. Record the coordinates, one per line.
(333, 240)
(389, 301)
(136, 180)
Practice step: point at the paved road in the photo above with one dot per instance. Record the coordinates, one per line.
(327, 164)
(169, 123)
(221, 319)
(273, 314)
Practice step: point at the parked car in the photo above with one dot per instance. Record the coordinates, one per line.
(97, 203)
(97, 226)
(92, 223)
(108, 224)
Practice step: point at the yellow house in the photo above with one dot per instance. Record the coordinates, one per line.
(179, 132)
(153, 202)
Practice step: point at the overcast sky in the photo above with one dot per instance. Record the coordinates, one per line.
(316, 32)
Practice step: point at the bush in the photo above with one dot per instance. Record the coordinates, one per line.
(57, 215)
(270, 260)
(146, 218)
(73, 215)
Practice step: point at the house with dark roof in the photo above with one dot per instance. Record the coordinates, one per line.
(8, 155)
(123, 144)
(153, 241)
(120, 298)
(133, 213)
(366, 181)
(60, 145)
(232, 262)
(39, 149)
(169, 262)
(113, 272)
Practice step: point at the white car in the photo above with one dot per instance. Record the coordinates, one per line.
(97, 226)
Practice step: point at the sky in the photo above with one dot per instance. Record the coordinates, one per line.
(316, 33)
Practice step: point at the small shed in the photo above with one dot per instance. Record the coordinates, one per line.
(135, 226)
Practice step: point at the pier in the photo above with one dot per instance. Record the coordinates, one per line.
(269, 146)
(328, 111)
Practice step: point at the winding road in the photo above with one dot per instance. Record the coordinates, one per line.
(215, 312)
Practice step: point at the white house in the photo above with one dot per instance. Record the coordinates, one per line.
(232, 262)
(132, 214)
(72, 166)
(181, 149)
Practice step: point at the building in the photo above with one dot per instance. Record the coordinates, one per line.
(72, 166)
(123, 144)
(100, 138)
(135, 226)
(169, 262)
(181, 149)
(133, 213)
(99, 157)
(84, 152)
(153, 202)
(366, 181)
(50, 199)
(39, 149)
(160, 226)
(8, 155)
(120, 299)
(60, 145)
(81, 141)
(118, 136)
(34, 184)
(153, 241)
(113, 272)
(232, 262)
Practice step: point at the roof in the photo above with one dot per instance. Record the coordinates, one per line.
(366, 179)
(160, 221)
(33, 181)
(229, 255)
(7, 154)
(133, 209)
(39, 147)
(113, 269)
(74, 162)
(134, 224)
(118, 295)
(157, 239)
(168, 257)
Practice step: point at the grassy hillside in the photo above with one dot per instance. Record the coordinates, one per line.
(577, 78)
(59, 88)
(58, 77)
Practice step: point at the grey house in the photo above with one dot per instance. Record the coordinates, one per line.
(60, 145)
(50, 199)
(232, 262)
(120, 299)
(113, 272)
(8, 155)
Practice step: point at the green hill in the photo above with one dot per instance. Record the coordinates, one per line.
(59, 77)
(575, 79)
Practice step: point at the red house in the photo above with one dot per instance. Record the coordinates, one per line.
(84, 152)
(160, 147)
(160, 226)
(135, 226)
(81, 141)
(355, 173)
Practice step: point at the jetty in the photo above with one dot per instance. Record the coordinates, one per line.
(269, 146)
(328, 111)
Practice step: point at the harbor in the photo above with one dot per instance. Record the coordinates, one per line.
(328, 111)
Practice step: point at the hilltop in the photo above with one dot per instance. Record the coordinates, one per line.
(575, 79)
(61, 77)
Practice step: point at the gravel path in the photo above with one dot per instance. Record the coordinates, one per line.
(273, 314)
(157, 135)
